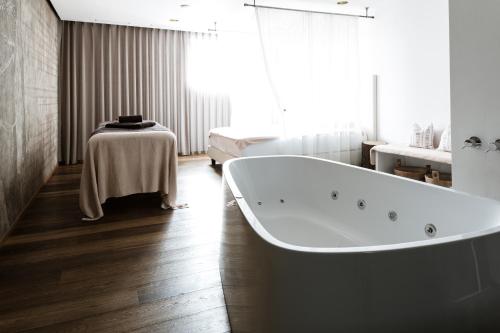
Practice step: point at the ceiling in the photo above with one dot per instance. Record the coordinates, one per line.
(199, 15)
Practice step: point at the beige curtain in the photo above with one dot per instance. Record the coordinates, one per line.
(110, 70)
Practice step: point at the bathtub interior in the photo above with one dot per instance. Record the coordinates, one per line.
(291, 197)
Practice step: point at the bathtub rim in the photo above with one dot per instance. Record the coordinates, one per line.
(253, 221)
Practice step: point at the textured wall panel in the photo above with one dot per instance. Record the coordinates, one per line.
(29, 62)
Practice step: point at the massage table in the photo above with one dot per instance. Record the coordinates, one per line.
(122, 162)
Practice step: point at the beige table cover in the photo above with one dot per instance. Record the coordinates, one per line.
(121, 164)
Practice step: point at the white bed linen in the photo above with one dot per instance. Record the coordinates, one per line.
(234, 141)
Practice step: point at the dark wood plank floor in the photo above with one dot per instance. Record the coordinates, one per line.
(138, 269)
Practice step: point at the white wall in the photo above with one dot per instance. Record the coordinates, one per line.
(475, 93)
(412, 61)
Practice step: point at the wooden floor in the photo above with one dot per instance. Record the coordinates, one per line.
(138, 269)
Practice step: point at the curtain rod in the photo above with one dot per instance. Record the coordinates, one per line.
(309, 11)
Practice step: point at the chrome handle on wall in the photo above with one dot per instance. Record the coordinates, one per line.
(472, 142)
(494, 146)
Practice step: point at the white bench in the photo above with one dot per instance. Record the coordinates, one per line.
(384, 157)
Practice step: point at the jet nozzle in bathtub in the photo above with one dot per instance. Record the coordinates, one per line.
(430, 230)
(361, 204)
(393, 216)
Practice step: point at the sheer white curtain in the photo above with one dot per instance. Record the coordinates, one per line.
(253, 105)
(229, 67)
(208, 94)
(312, 64)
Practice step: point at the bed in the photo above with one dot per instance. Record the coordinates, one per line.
(226, 143)
(123, 162)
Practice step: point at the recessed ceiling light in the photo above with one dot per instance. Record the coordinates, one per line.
(342, 2)
(184, 5)
(174, 20)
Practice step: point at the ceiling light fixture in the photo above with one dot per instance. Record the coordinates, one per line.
(184, 5)
(342, 2)
(174, 20)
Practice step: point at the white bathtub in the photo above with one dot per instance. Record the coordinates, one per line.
(311, 245)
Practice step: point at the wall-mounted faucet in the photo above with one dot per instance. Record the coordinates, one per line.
(494, 146)
(472, 142)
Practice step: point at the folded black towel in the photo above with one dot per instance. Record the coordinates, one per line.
(130, 119)
(140, 125)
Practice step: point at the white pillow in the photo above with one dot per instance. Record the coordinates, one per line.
(422, 138)
(445, 143)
